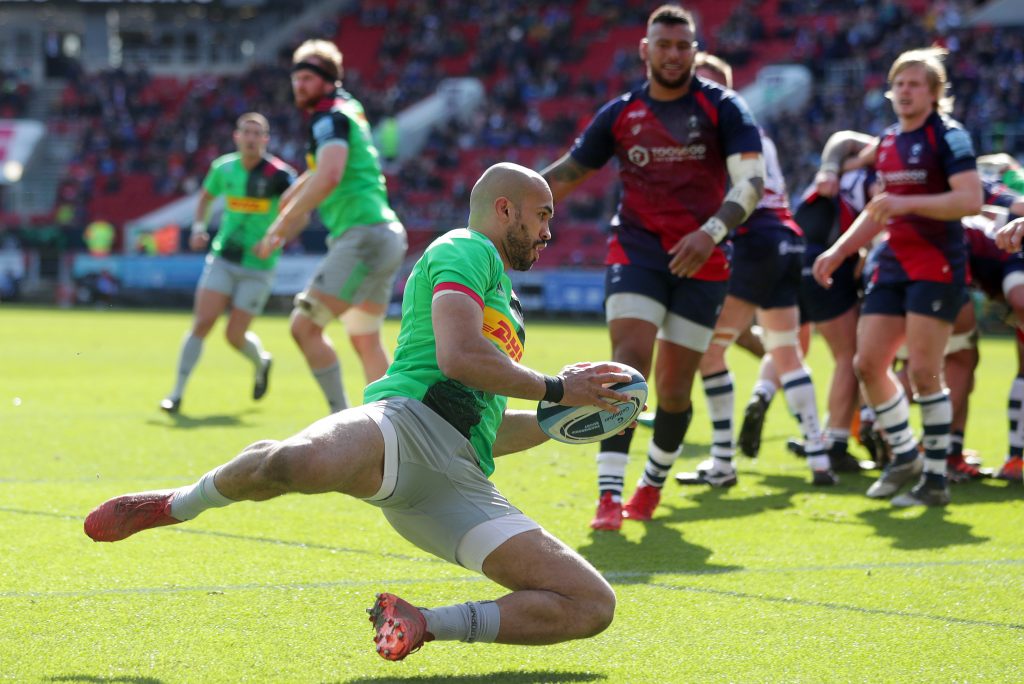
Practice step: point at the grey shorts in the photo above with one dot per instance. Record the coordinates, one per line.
(434, 493)
(361, 263)
(249, 288)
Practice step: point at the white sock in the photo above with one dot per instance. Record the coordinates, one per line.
(894, 416)
(1015, 412)
(718, 389)
(936, 417)
(188, 502)
(766, 388)
(799, 392)
(252, 349)
(191, 349)
(472, 622)
(329, 380)
(611, 473)
(659, 463)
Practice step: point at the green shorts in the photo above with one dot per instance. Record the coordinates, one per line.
(434, 493)
(248, 288)
(362, 263)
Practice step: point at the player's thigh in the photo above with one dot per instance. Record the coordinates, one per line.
(342, 452)
(434, 492)
(927, 338)
(878, 339)
(252, 291)
(635, 307)
(693, 310)
(360, 266)
(539, 561)
(840, 333)
(208, 306)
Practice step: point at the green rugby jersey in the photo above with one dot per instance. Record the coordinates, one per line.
(250, 205)
(466, 261)
(361, 198)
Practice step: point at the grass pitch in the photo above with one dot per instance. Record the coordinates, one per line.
(770, 581)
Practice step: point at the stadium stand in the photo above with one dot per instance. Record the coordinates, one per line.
(141, 140)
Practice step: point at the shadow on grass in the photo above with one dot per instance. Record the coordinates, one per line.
(496, 677)
(662, 548)
(180, 421)
(101, 678)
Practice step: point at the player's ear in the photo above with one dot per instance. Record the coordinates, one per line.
(643, 49)
(503, 207)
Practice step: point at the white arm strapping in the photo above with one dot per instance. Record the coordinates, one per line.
(741, 172)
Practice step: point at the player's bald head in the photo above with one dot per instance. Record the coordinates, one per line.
(507, 180)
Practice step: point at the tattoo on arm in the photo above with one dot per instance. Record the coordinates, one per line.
(566, 170)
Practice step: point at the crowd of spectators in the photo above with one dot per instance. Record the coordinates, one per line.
(132, 123)
(15, 93)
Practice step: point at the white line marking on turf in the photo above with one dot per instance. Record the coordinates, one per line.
(788, 600)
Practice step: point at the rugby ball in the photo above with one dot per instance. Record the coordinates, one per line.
(587, 424)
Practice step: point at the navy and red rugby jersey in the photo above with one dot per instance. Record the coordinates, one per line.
(920, 162)
(672, 165)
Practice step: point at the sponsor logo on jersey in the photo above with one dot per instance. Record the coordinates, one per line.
(248, 205)
(904, 177)
(499, 330)
(791, 248)
(642, 156)
(636, 114)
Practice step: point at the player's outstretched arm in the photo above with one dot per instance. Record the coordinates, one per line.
(313, 190)
(565, 175)
(464, 354)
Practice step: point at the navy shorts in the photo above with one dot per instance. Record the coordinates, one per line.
(695, 300)
(818, 304)
(924, 297)
(766, 265)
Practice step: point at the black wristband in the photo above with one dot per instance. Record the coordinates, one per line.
(554, 389)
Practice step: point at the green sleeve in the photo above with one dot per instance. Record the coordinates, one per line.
(467, 262)
(213, 183)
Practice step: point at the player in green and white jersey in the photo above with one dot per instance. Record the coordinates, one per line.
(252, 183)
(422, 449)
(367, 243)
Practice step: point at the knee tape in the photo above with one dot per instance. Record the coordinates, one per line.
(773, 339)
(962, 341)
(724, 337)
(631, 305)
(359, 322)
(312, 308)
